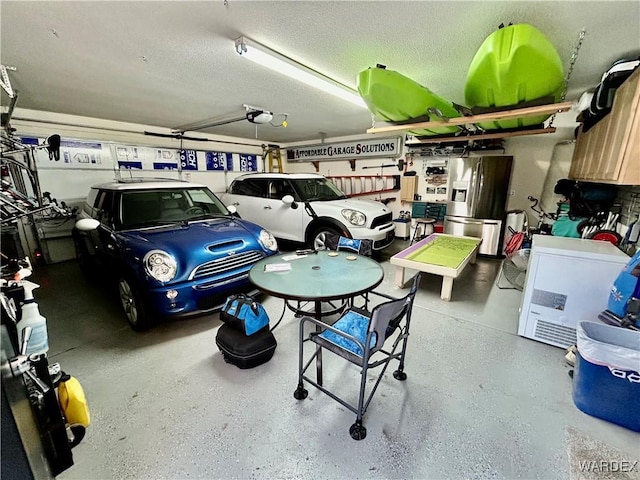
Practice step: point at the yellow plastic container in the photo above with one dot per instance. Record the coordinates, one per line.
(73, 402)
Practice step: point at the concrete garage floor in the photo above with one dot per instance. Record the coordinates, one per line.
(479, 401)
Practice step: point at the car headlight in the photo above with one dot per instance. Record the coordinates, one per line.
(160, 265)
(354, 217)
(268, 241)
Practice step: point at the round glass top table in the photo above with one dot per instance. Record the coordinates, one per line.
(320, 277)
(317, 277)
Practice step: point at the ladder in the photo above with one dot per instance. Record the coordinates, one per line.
(359, 185)
(271, 153)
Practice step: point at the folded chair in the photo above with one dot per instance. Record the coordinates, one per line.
(357, 337)
(342, 244)
(360, 247)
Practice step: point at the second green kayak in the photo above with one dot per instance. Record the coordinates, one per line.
(514, 64)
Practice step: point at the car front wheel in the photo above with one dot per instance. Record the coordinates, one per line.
(133, 306)
(321, 236)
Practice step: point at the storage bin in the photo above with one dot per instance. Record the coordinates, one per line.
(606, 382)
(402, 228)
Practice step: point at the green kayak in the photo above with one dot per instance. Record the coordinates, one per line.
(392, 97)
(514, 64)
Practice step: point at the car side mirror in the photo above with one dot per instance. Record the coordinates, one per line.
(289, 200)
(233, 210)
(87, 224)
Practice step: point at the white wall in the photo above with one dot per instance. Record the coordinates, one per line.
(559, 168)
(532, 158)
(70, 184)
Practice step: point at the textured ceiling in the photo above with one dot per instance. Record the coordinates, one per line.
(173, 63)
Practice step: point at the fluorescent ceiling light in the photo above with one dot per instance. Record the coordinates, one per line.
(279, 63)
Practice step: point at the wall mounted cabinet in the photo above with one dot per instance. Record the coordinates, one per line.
(408, 188)
(609, 152)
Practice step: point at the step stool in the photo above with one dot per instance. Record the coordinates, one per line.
(424, 227)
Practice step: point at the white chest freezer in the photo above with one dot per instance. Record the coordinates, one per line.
(567, 280)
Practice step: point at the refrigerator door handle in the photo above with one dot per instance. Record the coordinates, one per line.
(477, 186)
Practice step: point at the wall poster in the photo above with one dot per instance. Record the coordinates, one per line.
(219, 161)
(73, 154)
(165, 159)
(248, 163)
(81, 154)
(132, 156)
(189, 159)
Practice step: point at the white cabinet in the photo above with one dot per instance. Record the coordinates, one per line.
(568, 280)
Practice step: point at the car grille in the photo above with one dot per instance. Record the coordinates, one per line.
(380, 244)
(226, 264)
(382, 220)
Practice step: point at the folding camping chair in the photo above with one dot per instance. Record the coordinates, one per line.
(356, 337)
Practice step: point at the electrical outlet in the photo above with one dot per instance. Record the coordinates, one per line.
(512, 193)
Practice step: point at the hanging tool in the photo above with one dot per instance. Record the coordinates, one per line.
(400, 165)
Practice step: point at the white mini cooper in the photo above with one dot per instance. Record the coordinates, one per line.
(307, 207)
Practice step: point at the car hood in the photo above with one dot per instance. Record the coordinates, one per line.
(368, 207)
(198, 241)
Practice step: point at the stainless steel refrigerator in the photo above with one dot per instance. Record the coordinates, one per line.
(478, 189)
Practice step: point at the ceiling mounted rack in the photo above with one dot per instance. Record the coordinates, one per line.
(470, 123)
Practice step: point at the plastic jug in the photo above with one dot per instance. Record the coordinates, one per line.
(31, 317)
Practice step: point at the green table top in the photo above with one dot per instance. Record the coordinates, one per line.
(438, 249)
(319, 276)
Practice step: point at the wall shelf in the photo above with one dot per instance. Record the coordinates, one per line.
(473, 120)
(481, 136)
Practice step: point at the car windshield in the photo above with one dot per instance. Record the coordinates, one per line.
(317, 189)
(148, 208)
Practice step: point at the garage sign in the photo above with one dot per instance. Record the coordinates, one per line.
(390, 147)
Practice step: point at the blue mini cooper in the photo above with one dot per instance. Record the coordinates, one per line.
(174, 248)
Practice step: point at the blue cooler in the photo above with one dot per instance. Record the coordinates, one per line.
(606, 382)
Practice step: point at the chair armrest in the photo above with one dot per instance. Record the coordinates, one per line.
(306, 319)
